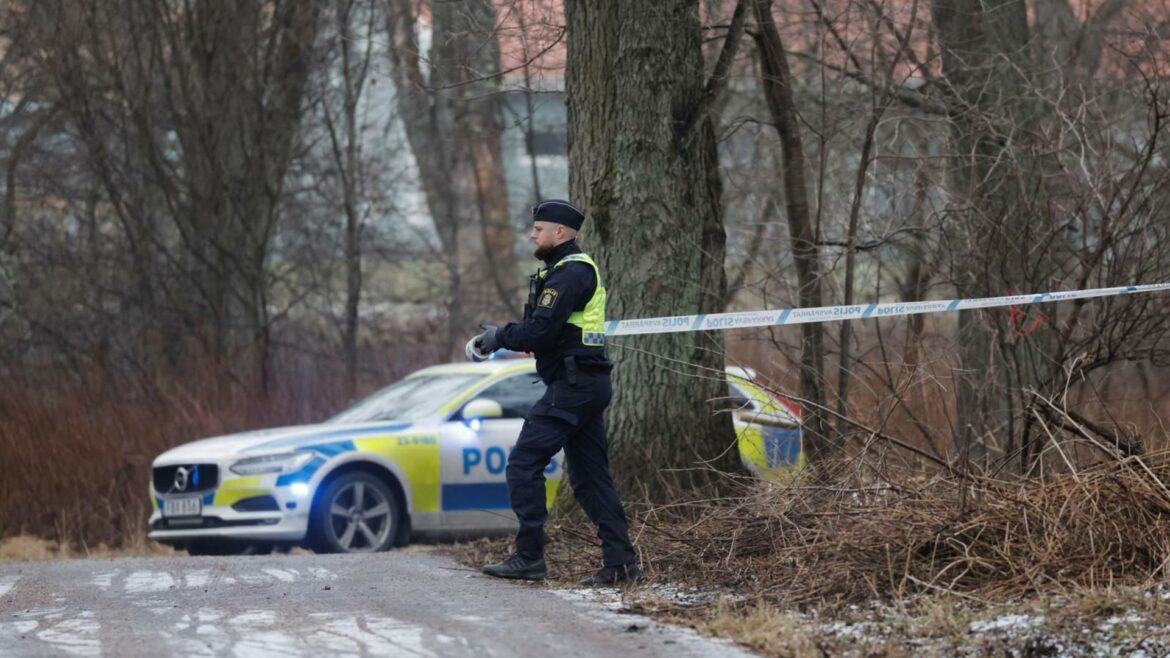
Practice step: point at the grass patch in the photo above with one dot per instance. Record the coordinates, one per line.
(27, 548)
(764, 628)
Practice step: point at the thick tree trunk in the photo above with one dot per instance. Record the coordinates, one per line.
(651, 191)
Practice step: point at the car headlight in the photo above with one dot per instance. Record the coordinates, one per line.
(283, 463)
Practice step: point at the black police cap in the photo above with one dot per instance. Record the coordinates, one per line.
(559, 211)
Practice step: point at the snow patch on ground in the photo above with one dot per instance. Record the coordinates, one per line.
(197, 578)
(77, 636)
(322, 574)
(688, 597)
(376, 636)
(7, 583)
(283, 575)
(605, 605)
(1004, 631)
(1011, 622)
(851, 631)
(103, 581)
(141, 582)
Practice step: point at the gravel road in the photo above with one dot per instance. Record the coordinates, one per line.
(388, 604)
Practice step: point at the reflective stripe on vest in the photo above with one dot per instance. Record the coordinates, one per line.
(592, 320)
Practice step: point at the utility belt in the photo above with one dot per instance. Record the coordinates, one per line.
(573, 369)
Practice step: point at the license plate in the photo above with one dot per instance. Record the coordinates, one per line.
(183, 507)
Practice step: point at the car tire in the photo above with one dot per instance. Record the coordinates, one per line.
(209, 547)
(355, 513)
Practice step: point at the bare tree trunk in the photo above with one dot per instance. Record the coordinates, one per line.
(481, 123)
(1068, 49)
(277, 131)
(846, 334)
(353, 233)
(777, 80)
(346, 150)
(881, 101)
(995, 180)
(429, 125)
(453, 126)
(651, 190)
(530, 107)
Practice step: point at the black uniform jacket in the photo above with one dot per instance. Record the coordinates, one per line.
(548, 334)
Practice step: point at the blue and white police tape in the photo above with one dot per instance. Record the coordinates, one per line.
(789, 316)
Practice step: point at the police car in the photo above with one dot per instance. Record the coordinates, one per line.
(426, 454)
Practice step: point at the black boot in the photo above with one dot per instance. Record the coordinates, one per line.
(621, 574)
(518, 566)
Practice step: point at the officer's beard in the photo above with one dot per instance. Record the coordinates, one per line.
(541, 252)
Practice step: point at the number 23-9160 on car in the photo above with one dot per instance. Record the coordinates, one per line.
(423, 455)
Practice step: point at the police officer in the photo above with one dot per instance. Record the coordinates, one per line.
(563, 325)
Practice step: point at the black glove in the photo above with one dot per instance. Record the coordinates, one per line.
(487, 342)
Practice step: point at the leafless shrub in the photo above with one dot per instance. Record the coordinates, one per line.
(887, 538)
(77, 445)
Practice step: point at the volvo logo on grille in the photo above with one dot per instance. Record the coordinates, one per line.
(182, 478)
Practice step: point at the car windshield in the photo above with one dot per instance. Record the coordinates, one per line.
(410, 399)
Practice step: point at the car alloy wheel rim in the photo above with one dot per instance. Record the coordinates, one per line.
(359, 517)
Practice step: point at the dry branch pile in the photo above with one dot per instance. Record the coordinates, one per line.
(795, 544)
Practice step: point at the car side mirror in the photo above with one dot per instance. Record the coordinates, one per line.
(480, 408)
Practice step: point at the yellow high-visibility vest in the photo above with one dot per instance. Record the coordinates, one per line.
(591, 320)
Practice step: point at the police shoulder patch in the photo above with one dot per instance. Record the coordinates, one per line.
(547, 298)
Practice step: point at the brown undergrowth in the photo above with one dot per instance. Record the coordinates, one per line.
(76, 449)
(1109, 524)
(797, 544)
(940, 566)
(75, 452)
(26, 548)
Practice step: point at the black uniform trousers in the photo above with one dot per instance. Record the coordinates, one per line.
(569, 416)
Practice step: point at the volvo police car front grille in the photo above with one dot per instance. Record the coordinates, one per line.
(185, 478)
(188, 523)
(257, 504)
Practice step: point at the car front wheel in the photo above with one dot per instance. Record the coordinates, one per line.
(356, 513)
